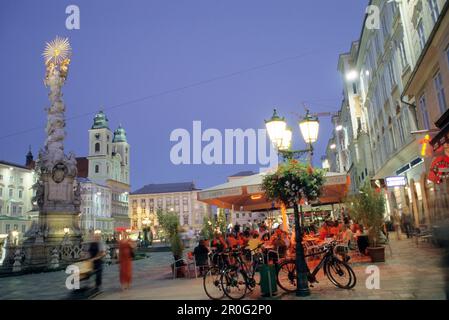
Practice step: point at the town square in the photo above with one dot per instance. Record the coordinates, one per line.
(224, 151)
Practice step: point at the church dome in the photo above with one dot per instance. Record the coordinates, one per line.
(100, 121)
(119, 135)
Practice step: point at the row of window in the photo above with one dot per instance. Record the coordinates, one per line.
(441, 98)
(11, 193)
(13, 209)
(160, 202)
(97, 148)
(11, 179)
(16, 227)
(243, 215)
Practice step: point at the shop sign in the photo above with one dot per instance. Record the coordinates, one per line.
(399, 181)
(439, 169)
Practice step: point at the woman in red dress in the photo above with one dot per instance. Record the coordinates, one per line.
(125, 258)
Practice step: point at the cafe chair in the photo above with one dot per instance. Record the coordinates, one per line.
(191, 262)
(178, 264)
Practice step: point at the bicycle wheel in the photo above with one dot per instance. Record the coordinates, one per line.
(212, 284)
(286, 276)
(340, 274)
(233, 282)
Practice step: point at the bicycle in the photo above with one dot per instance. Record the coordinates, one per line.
(333, 268)
(238, 278)
(212, 278)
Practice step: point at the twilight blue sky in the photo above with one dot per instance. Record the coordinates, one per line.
(126, 50)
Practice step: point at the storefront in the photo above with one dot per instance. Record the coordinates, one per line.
(438, 171)
(409, 197)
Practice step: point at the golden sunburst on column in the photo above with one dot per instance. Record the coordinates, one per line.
(57, 50)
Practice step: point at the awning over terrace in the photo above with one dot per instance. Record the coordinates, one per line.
(245, 194)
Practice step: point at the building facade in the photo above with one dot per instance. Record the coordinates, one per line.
(96, 213)
(180, 198)
(428, 89)
(16, 194)
(381, 125)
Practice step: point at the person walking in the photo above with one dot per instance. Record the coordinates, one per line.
(96, 253)
(126, 254)
(396, 223)
(407, 223)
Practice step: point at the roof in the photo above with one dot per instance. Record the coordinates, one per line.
(100, 183)
(257, 179)
(82, 165)
(166, 188)
(100, 121)
(243, 174)
(12, 164)
(119, 135)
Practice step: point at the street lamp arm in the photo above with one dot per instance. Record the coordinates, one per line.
(292, 154)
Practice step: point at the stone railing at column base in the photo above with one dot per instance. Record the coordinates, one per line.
(25, 259)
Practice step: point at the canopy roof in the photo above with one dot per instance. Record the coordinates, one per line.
(246, 193)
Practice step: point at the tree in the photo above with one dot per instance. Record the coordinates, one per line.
(169, 222)
(368, 208)
(207, 231)
(291, 183)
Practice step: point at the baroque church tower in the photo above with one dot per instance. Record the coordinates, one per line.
(108, 152)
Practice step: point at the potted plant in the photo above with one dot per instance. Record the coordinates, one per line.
(294, 183)
(368, 207)
(169, 222)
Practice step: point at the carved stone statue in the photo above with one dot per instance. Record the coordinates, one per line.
(40, 193)
(77, 195)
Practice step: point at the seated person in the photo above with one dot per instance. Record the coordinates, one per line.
(232, 241)
(219, 243)
(254, 242)
(201, 254)
(279, 246)
(324, 231)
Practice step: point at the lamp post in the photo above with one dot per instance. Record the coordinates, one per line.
(281, 137)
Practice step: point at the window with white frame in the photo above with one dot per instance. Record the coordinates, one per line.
(438, 81)
(401, 130)
(402, 54)
(421, 34)
(434, 10)
(424, 112)
(393, 138)
(391, 73)
(20, 194)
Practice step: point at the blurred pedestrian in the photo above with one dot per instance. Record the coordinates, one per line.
(96, 254)
(126, 255)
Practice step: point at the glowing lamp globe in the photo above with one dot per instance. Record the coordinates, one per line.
(286, 139)
(309, 127)
(276, 127)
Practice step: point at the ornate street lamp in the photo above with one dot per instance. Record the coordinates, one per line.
(281, 138)
(276, 127)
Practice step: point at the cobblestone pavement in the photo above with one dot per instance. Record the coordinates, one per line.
(410, 273)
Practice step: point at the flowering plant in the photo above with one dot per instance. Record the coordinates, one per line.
(292, 182)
